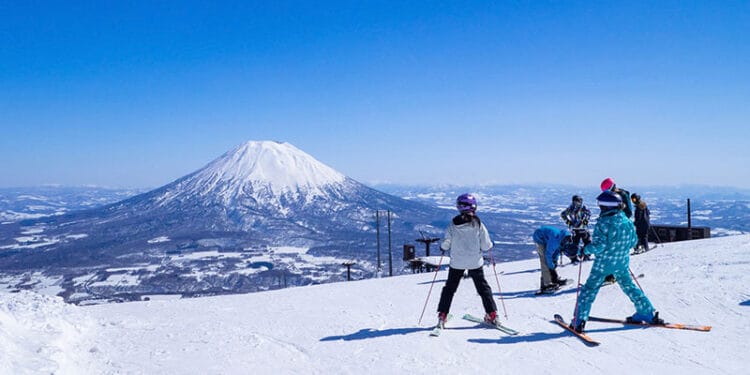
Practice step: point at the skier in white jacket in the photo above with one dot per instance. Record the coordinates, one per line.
(466, 238)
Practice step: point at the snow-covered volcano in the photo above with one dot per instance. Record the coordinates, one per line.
(261, 172)
(272, 187)
(215, 230)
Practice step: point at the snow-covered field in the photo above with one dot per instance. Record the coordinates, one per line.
(371, 326)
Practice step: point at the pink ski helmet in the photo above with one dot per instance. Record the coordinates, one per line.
(608, 184)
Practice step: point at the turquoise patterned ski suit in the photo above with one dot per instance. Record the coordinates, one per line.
(614, 237)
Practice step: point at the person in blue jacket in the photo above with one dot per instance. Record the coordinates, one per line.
(608, 184)
(550, 242)
(614, 237)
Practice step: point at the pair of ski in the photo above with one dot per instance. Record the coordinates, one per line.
(507, 330)
(591, 342)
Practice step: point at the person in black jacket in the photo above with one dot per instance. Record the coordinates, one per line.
(642, 223)
(627, 208)
(576, 217)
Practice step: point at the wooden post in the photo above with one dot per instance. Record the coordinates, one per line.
(427, 242)
(390, 250)
(690, 223)
(377, 231)
(349, 265)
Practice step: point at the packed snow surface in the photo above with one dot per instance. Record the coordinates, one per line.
(371, 326)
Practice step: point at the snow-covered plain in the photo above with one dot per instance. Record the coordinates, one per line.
(371, 326)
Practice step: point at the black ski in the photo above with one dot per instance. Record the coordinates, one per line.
(547, 291)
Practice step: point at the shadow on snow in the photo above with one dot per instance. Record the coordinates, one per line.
(501, 273)
(369, 333)
(533, 270)
(532, 294)
(544, 336)
(515, 295)
(430, 282)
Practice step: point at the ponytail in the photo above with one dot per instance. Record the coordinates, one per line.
(476, 220)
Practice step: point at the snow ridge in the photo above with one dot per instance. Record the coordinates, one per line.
(42, 334)
(371, 326)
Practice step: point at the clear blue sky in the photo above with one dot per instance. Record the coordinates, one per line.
(138, 94)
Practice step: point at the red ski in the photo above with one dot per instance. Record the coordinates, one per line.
(665, 325)
(586, 339)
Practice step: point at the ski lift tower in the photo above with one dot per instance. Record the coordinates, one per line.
(427, 241)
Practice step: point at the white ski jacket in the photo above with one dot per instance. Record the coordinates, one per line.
(466, 243)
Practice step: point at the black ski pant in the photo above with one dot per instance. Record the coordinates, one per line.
(641, 231)
(643, 242)
(581, 235)
(480, 283)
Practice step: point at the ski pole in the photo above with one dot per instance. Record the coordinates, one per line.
(580, 267)
(440, 262)
(635, 279)
(656, 235)
(498, 285)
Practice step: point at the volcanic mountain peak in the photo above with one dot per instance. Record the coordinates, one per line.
(261, 170)
(281, 166)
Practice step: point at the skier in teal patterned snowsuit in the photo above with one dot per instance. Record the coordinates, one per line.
(614, 237)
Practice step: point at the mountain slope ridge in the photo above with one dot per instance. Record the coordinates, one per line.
(255, 197)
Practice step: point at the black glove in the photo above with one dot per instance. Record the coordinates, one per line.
(582, 253)
(568, 222)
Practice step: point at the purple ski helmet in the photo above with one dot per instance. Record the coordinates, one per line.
(466, 203)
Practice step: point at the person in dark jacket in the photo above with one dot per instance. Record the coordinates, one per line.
(642, 222)
(576, 217)
(627, 207)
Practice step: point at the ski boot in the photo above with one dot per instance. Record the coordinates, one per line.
(577, 325)
(548, 289)
(442, 318)
(556, 280)
(491, 318)
(643, 318)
